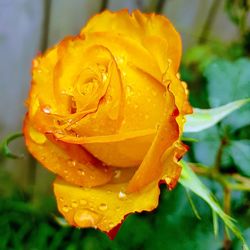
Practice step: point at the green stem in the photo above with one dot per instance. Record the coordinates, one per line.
(240, 183)
(159, 6)
(209, 21)
(104, 5)
(227, 209)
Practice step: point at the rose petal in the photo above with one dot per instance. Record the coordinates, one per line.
(125, 51)
(102, 207)
(71, 162)
(158, 25)
(151, 167)
(138, 26)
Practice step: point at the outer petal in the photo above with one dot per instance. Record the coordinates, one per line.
(160, 26)
(139, 26)
(102, 207)
(106, 207)
(71, 162)
(151, 167)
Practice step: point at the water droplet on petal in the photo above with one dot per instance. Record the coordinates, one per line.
(72, 162)
(168, 180)
(86, 218)
(103, 207)
(65, 209)
(146, 117)
(61, 199)
(47, 110)
(37, 137)
(117, 174)
(80, 172)
(111, 225)
(122, 195)
(129, 89)
(83, 202)
(74, 204)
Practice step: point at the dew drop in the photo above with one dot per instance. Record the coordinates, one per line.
(129, 89)
(61, 199)
(74, 204)
(80, 172)
(104, 77)
(72, 162)
(117, 174)
(154, 93)
(122, 195)
(136, 106)
(66, 171)
(146, 117)
(37, 137)
(111, 225)
(83, 202)
(47, 110)
(65, 209)
(103, 207)
(168, 180)
(86, 218)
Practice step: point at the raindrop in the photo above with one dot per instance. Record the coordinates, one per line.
(65, 209)
(146, 117)
(117, 174)
(149, 100)
(65, 171)
(47, 110)
(111, 225)
(61, 199)
(86, 218)
(103, 207)
(37, 137)
(83, 202)
(122, 195)
(154, 93)
(80, 172)
(104, 77)
(136, 106)
(168, 180)
(129, 89)
(74, 204)
(72, 162)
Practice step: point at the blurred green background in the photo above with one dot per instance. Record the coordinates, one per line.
(216, 66)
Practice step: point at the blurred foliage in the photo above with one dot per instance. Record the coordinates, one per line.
(217, 73)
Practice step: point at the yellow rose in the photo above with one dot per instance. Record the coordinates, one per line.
(105, 113)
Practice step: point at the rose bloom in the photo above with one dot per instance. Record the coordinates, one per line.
(105, 114)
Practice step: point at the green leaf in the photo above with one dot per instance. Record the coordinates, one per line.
(4, 147)
(215, 222)
(196, 213)
(205, 118)
(61, 221)
(191, 181)
(240, 152)
(227, 82)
